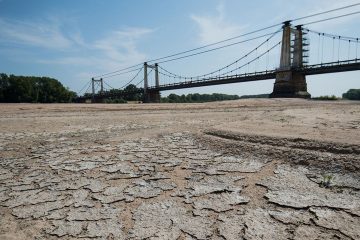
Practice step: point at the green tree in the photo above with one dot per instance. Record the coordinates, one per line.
(33, 89)
(352, 94)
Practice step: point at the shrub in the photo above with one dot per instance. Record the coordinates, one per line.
(327, 98)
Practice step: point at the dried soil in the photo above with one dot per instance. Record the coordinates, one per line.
(247, 169)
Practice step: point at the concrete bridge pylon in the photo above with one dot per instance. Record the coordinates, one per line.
(290, 82)
(151, 95)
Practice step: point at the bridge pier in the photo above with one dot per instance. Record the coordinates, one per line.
(153, 96)
(289, 82)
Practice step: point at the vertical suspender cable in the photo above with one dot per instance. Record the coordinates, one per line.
(256, 61)
(339, 50)
(318, 54)
(357, 43)
(322, 48)
(349, 50)
(267, 55)
(333, 49)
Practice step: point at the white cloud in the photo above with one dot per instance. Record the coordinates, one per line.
(120, 46)
(116, 49)
(38, 34)
(215, 28)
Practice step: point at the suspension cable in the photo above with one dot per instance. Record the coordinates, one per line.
(234, 62)
(143, 79)
(253, 60)
(87, 89)
(217, 48)
(249, 33)
(332, 18)
(344, 38)
(118, 71)
(108, 85)
(84, 87)
(329, 11)
(122, 73)
(125, 85)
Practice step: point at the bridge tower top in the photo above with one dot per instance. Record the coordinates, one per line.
(292, 47)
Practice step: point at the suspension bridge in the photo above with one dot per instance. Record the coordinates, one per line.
(283, 55)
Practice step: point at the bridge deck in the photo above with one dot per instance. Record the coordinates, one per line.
(217, 81)
(332, 67)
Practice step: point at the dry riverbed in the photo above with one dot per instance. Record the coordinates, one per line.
(247, 169)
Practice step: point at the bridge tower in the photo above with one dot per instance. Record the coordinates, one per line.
(290, 82)
(151, 95)
(93, 82)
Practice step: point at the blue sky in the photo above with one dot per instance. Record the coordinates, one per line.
(75, 40)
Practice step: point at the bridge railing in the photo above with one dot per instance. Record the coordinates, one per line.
(218, 78)
(332, 64)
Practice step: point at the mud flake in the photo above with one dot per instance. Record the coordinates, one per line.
(167, 220)
(337, 220)
(292, 216)
(39, 210)
(315, 233)
(220, 202)
(290, 187)
(104, 229)
(80, 196)
(33, 197)
(122, 167)
(66, 228)
(93, 214)
(112, 194)
(231, 226)
(261, 226)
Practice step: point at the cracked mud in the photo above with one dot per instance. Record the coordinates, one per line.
(167, 176)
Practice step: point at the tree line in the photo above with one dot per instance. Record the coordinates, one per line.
(130, 93)
(16, 89)
(198, 98)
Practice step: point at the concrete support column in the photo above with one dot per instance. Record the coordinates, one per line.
(157, 82)
(285, 58)
(101, 86)
(93, 89)
(298, 48)
(146, 97)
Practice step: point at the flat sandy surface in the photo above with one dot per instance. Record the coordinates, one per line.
(246, 169)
